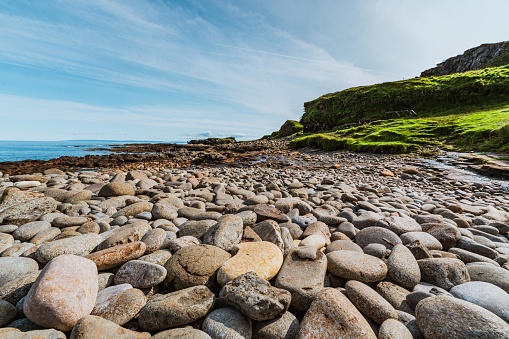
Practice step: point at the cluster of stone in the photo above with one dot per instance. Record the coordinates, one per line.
(391, 251)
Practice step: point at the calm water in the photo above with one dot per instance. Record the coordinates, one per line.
(45, 150)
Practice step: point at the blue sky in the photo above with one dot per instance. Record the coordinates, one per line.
(178, 70)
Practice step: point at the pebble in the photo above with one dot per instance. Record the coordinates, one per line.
(255, 297)
(77, 245)
(114, 189)
(447, 317)
(64, 292)
(27, 231)
(490, 274)
(117, 255)
(227, 322)
(377, 235)
(486, 295)
(195, 265)
(264, 258)
(402, 267)
(119, 307)
(92, 327)
(182, 333)
(369, 302)
(332, 315)
(226, 233)
(7, 312)
(356, 266)
(394, 329)
(140, 274)
(176, 309)
(284, 327)
(12, 268)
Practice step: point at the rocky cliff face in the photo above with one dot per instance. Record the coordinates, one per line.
(472, 59)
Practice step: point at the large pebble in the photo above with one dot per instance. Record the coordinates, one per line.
(28, 231)
(182, 333)
(394, 329)
(12, 268)
(450, 318)
(119, 307)
(133, 209)
(114, 189)
(226, 233)
(376, 235)
(443, 272)
(118, 255)
(490, 274)
(93, 327)
(227, 322)
(283, 327)
(403, 269)
(7, 312)
(264, 258)
(140, 274)
(369, 302)
(125, 234)
(176, 308)
(64, 292)
(195, 265)
(356, 266)
(78, 245)
(302, 277)
(486, 295)
(332, 315)
(255, 297)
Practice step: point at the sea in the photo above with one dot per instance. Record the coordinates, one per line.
(45, 150)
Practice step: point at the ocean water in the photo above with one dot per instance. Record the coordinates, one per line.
(45, 150)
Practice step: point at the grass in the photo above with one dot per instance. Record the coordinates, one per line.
(473, 91)
(482, 130)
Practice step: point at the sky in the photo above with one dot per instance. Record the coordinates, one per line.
(175, 70)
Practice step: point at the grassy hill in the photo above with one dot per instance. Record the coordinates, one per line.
(467, 111)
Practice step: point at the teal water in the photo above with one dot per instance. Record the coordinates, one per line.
(45, 150)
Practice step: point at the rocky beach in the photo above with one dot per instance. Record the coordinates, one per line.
(252, 240)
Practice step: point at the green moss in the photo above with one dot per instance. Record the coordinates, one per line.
(290, 127)
(486, 130)
(429, 96)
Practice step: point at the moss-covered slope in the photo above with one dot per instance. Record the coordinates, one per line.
(430, 96)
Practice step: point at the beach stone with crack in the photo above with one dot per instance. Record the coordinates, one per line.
(78, 245)
(7, 312)
(27, 231)
(264, 258)
(12, 268)
(92, 327)
(125, 234)
(255, 297)
(226, 233)
(394, 329)
(285, 326)
(195, 265)
(443, 272)
(486, 295)
(376, 235)
(402, 267)
(117, 255)
(140, 274)
(227, 322)
(115, 189)
(399, 225)
(133, 209)
(302, 277)
(447, 317)
(490, 274)
(369, 302)
(182, 333)
(119, 307)
(63, 293)
(176, 309)
(356, 266)
(332, 315)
